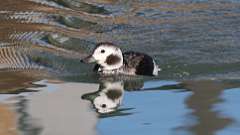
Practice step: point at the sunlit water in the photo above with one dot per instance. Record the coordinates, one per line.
(45, 90)
(165, 107)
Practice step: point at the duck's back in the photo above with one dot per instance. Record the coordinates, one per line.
(142, 63)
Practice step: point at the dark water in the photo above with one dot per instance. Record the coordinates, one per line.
(195, 42)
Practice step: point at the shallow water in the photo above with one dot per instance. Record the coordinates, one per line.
(196, 43)
(165, 107)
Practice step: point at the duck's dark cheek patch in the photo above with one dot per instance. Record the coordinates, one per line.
(114, 94)
(112, 59)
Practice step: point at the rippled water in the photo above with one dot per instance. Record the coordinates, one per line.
(45, 90)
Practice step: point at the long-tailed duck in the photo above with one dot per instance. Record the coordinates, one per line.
(111, 60)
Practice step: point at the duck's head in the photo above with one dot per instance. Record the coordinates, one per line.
(109, 97)
(107, 55)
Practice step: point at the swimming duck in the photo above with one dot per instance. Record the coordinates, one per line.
(111, 60)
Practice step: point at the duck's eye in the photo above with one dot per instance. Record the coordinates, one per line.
(102, 51)
(103, 105)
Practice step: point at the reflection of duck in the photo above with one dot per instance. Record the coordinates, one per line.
(108, 98)
(111, 60)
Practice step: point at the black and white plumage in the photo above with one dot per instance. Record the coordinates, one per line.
(111, 60)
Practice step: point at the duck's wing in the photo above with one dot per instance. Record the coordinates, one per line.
(132, 59)
(142, 63)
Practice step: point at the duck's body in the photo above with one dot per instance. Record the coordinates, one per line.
(116, 62)
(134, 63)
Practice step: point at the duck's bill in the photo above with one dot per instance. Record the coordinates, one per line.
(88, 59)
